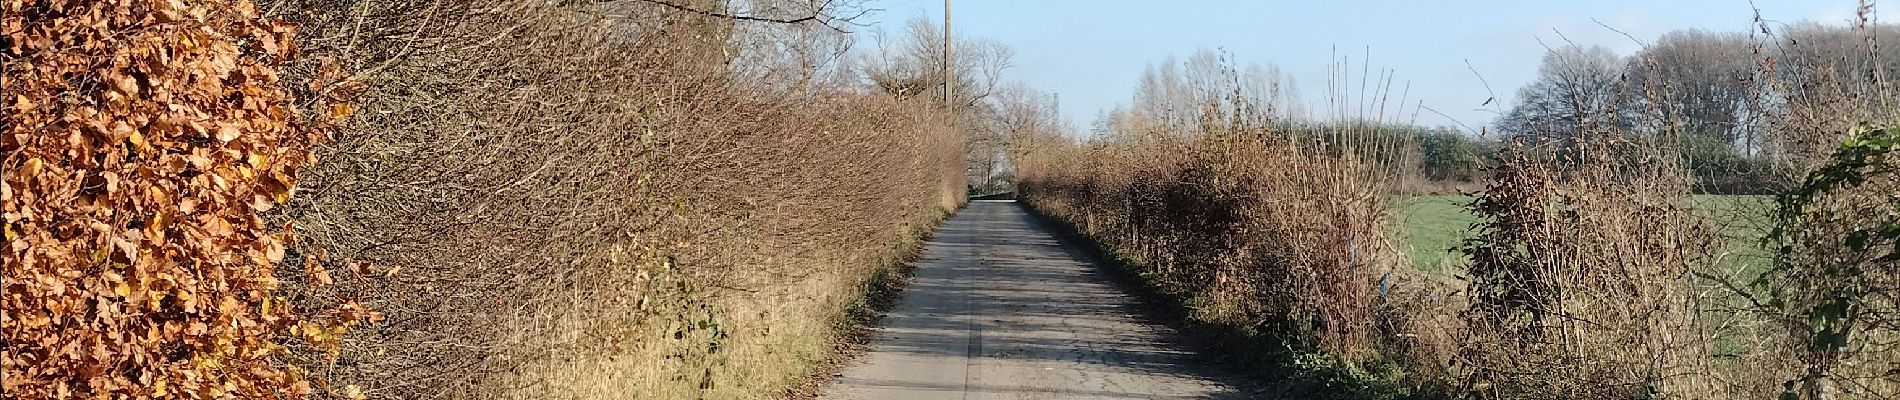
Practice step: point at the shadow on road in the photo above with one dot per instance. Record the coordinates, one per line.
(1001, 308)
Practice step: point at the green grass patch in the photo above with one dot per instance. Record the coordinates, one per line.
(1431, 227)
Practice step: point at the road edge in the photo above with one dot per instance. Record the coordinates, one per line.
(854, 329)
(1269, 368)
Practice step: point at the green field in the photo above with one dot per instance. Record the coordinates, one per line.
(1431, 227)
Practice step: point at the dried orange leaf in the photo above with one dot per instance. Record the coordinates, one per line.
(228, 132)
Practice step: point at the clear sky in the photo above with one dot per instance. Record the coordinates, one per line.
(1092, 53)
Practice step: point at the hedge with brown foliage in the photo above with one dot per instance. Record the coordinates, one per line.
(1253, 228)
(592, 200)
(142, 141)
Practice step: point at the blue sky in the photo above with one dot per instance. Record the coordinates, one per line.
(1092, 52)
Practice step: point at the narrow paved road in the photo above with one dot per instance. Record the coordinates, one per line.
(999, 309)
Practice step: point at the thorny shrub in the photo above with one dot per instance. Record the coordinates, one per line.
(1579, 277)
(1582, 270)
(142, 141)
(1826, 300)
(1834, 281)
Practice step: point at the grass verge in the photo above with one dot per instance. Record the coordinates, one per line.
(1432, 227)
(875, 297)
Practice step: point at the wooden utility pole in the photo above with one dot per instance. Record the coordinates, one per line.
(948, 79)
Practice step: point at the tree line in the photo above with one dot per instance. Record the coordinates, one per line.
(1715, 93)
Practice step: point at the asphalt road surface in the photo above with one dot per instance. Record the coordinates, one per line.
(1000, 309)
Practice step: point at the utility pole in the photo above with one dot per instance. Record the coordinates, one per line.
(947, 77)
(949, 96)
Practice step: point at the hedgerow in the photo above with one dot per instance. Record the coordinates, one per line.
(142, 142)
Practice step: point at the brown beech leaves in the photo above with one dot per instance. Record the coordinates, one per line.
(142, 139)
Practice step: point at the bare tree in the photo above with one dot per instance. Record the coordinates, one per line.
(1697, 79)
(1164, 96)
(833, 14)
(793, 56)
(1210, 87)
(1826, 79)
(1026, 120)
(910, 67)
(1577, 89)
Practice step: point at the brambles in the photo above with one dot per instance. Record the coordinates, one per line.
(1832, 285)
(143, 140)
(1580, 281)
